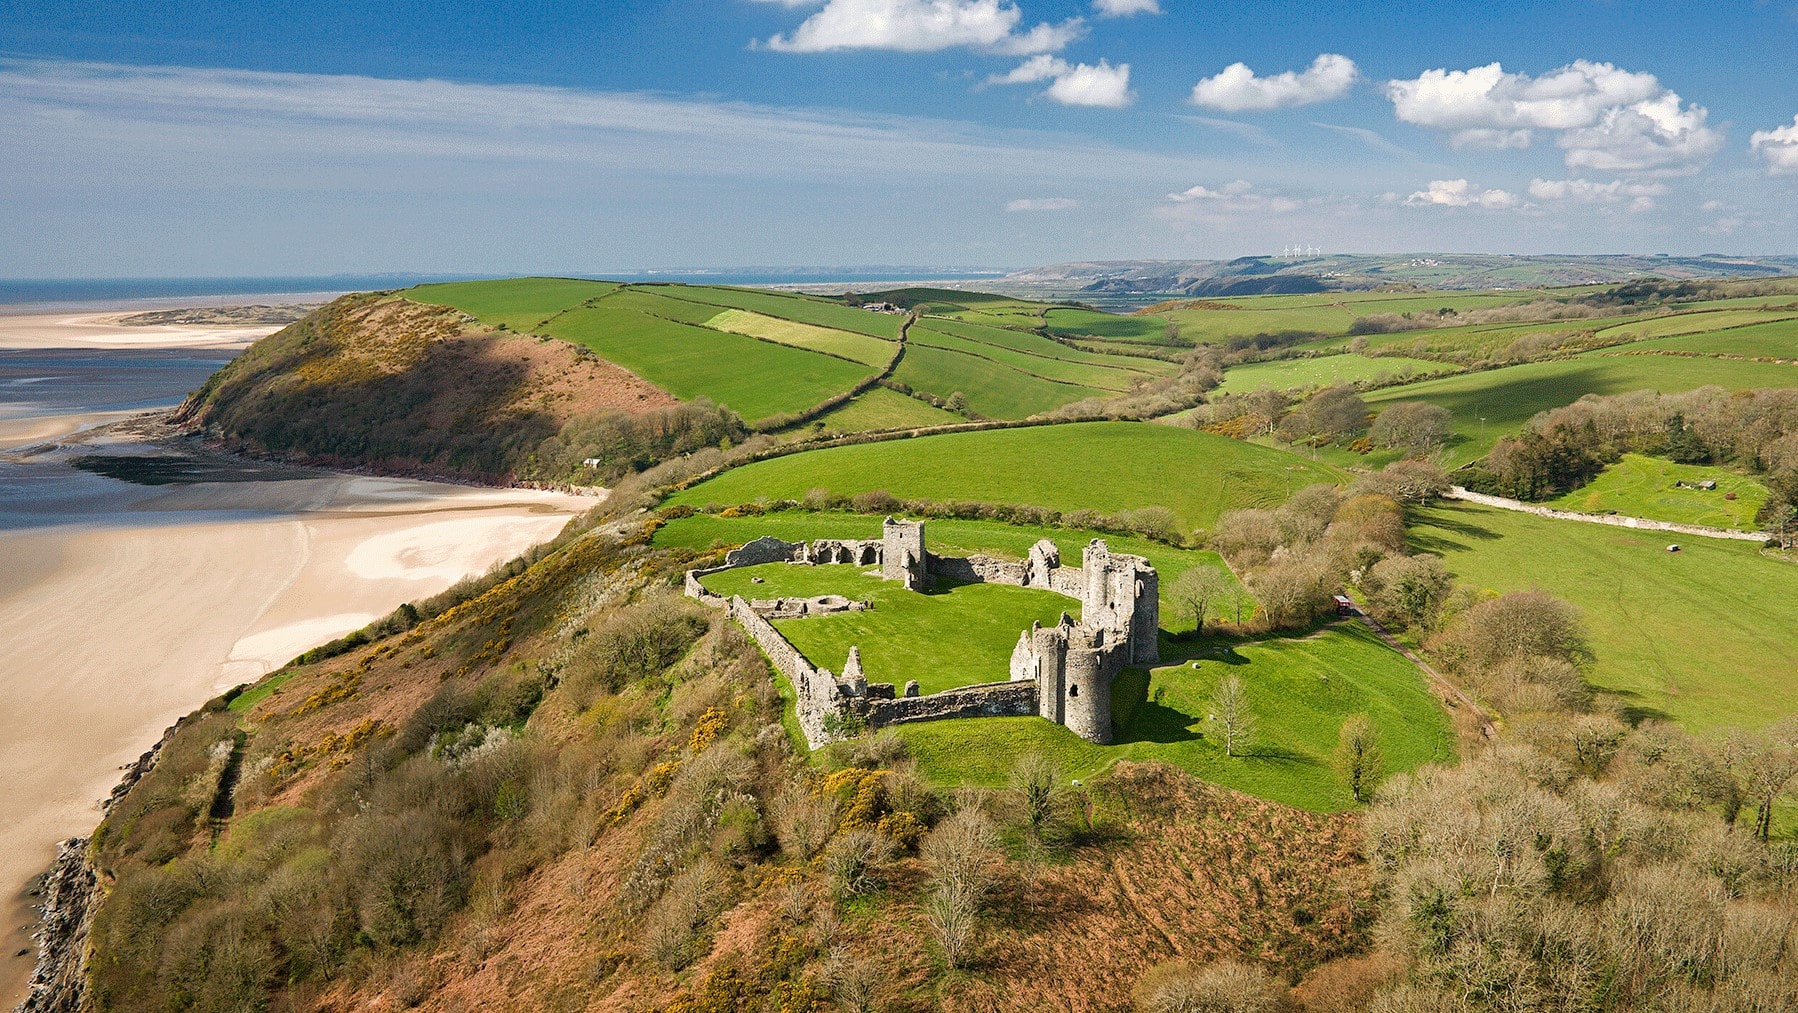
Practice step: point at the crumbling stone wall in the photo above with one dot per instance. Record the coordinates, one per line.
(902, 553)
(989, 700)
(766, 549)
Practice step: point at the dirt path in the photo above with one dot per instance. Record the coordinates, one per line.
(1487, 729)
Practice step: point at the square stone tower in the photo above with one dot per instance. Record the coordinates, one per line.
(902, 553)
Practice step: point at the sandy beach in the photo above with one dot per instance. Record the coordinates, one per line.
(125, 606)
(103, 330)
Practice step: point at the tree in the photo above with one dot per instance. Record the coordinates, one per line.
(1230, 704)
(1036, 784)
(961, 853)
(1408, 591)
(1763, 766)
(1238, 598)
(957, 402)
(1521, 624)
(1197, 588)
(1224, 987)
(1417, 427)
(1359, 756)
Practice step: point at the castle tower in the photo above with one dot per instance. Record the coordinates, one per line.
(902, 552)
(1043, 561)
(1122, 593)
(1094, 659)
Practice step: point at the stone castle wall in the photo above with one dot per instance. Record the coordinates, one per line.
(988, 700)
(1614, 520)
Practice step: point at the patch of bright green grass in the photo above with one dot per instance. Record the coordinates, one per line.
(1301, 690)
(1037, 345)
(1102, 466)
(756, 378)
(880, 408)
(1643, 486)
(953, 538)
(246, 701)
(1776, 340)
(519, 303)
(790, 306)
(1091, 323)
(1693, 322)
(993, 389)
(1099, 378)
(849, 345)
(1286, 374)
(1703, 636)
(953, 635)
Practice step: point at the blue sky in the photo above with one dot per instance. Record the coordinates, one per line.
(226, 138)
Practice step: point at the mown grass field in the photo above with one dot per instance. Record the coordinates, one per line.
(805, 309)
(849, 345)
(1778, 340)
(519, 303)
(880, 408)
(756, 378)
(1036, 345)
(1099, 378)
(1301, 690)
(953, 538)
(1324, 370)
(1702, 636)
(954, 635)
(1642, 486)
(1102, 466)
(1148, 328)
(993, 389)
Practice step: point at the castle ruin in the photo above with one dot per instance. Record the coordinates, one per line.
(1063, 672)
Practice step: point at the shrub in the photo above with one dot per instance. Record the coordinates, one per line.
(1224, 987)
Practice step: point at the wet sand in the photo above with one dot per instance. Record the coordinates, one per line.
(103, 330)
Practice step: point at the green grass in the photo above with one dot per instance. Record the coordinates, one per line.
(947, 537)
(1285, 374)
(1301, 690)
(756, 378)
(849, 345)
(245, 702)
(1103, 466)
(1090, 323)
(1694, 322)
(1777, 340)
(1508, 397)
(993, 389)
(1037, 345)
(787, 306)
(1702, 636)
(1101, 379)
(1215, 326)
(955, 635)
(1642, 486)
(880, 408)
(519, 303)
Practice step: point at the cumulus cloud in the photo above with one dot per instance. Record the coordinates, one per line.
(1459, 193)
(923, 26)
(1640, 196)
(1237, 195)
(1073, 84)
(1125, 8)
(1778, 146)
(1237, 88)
(1042, 204)
(1606, 118)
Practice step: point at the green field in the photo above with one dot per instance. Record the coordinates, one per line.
(949, 537)
(1100, 378)
(756, 378)
(847, 344)
(1037, 345)
(1776, 340)
(805, 309)
(1301, 690)
(955, 635)
(1693, 322)
(1641, 486)
(1103, 466)
(1249, 318)
(1147, 328)
(1506, 398)
(993, 389)
(1324, 370)
(519, 303)
(1702, 636)
(880, 408)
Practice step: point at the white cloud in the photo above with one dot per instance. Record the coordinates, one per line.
(1042, 204)
(1237, 195)
(1125, 8)
(1607, 118)
(1458, 193)
(1073, 84)
(1246, 131)
(1640, 196)
(923, 26)
(1237, 89)
(1778, 146)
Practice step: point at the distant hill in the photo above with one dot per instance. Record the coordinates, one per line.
(1277, 275)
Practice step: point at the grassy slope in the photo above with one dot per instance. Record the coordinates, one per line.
(1099, 378)
(946, 537)
(1078, 322)
(1777, 339)
(1693, 322)
(756, 378)
(1703, 635)
(1642, 486)
(880, 408)
(1285, 374)
(1037, 345)
(1104, 466)
(519, 303)
(805, 309)
(952, 636)
(993, 389)
(849, 345)
(1301, 691)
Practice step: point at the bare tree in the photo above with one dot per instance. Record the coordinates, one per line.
(1230, 703)
(1036, 783)
(1359, 756)
(1764, 766)
(1197, 588)
(1238, 598)
(1417, 427)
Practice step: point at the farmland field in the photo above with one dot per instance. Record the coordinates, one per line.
(1700, 322)
(1777, 340)
(1323, 370)
(994, 390)
(1089, 323)
(1102, 466)
(1037, 345)
(956, 635)
(1642, 486)
(880, 408)
(950, 537)
(805, 309)
(1097, 377)
(860, 347)
(519, 303)
(1702, 636)
(1301, 690)
(757, 379)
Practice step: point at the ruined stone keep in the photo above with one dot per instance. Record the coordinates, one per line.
(1063, 672)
